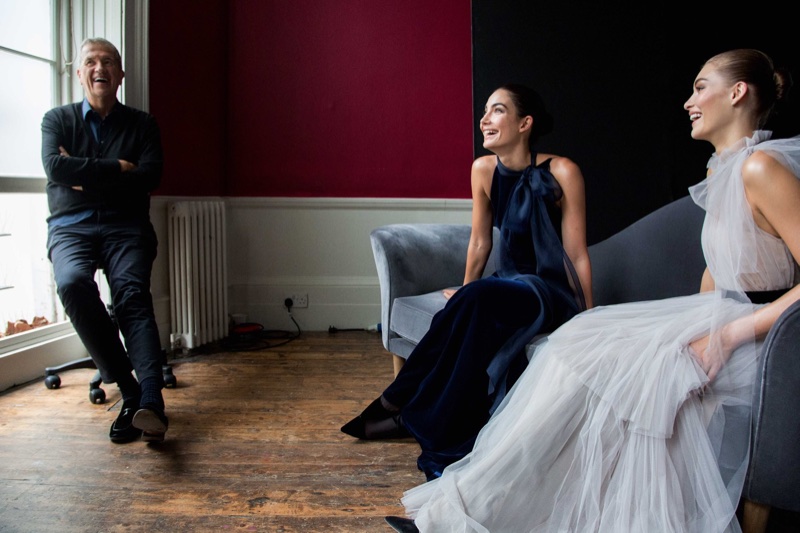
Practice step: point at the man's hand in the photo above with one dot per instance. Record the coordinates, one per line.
(63, 153)
(126, 165)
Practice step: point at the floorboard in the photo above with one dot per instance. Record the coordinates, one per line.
(253, 445)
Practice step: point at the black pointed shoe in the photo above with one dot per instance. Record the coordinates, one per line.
(403, 525)
(152, 422)
(376, 429)
(356, 427)
(122, 429)
(375, 423)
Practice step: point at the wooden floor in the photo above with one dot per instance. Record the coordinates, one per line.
(253, 445)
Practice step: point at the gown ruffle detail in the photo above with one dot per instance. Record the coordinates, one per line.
(613, 426)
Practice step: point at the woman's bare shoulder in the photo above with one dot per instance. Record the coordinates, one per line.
(759, 165)
(483, 168)
(563, 168)
(485, 163)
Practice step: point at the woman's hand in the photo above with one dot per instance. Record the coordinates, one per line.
(711, 356)
(448, 293)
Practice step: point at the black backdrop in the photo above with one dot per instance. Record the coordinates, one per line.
(615, 81)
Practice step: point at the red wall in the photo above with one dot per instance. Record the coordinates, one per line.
(352, 98)
(188, 84)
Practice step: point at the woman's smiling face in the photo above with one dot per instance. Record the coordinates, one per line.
(500, 123)
(710, 105)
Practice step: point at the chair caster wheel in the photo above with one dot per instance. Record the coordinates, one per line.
(52, 382)
(97, 396)
(170, 381)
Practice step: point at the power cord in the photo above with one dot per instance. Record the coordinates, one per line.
(252, 337)
(288, 303)
(334, 329)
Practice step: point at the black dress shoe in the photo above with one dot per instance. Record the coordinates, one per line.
(123, 430)
(152, 422)
(403, 525)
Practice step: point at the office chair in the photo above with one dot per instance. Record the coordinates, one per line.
(96, 393)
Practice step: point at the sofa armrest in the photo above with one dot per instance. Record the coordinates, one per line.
(414, 259)
(774, 471)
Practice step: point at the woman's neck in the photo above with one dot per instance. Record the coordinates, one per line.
(517, 159)
(731, 136)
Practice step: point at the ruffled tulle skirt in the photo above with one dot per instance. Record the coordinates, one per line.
(613, 427)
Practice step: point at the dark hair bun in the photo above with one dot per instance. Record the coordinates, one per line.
(529, 102)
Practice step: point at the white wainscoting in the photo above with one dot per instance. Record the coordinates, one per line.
(316, 246)
(276, 247)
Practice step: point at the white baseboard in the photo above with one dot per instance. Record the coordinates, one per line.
(342, 303)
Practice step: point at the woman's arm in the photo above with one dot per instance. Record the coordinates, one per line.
(773, 193)
(480, 239)
(707, 283)
(573, 220)
(774, 196)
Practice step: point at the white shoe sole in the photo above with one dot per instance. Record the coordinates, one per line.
(153, 428)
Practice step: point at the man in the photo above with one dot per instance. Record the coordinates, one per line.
(102, 160)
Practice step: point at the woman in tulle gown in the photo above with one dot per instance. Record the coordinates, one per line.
(474, 349)
(636, 417)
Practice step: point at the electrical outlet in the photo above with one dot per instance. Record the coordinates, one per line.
(299, 300)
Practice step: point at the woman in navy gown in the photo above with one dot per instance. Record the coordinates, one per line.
(475, 348)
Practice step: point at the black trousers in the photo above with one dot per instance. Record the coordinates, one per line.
(125, 249)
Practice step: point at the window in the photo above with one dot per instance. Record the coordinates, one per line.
(28, 52)
(28, 39)
(38, 41)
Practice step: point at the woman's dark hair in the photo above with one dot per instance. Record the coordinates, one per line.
(528, 102)
(771, 85)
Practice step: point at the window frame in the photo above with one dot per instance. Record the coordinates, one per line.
(130, 34)
(91, 18)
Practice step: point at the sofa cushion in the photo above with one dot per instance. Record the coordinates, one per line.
(412, 315)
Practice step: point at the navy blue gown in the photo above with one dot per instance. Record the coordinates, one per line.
(475, 348)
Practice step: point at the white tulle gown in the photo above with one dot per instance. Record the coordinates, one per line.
(614, 427)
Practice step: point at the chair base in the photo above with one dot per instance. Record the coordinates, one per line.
(96, 393)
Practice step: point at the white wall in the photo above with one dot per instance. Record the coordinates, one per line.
(319, 247)
(276, 247)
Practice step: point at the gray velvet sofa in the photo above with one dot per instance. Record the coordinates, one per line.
(658, 256)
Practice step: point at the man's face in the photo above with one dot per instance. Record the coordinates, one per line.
(99, 72)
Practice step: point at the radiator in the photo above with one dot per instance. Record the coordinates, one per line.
(197, 273)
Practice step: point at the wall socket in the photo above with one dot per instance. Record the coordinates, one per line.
(299, 299)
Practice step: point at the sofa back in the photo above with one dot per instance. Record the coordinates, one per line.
(658, 256)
